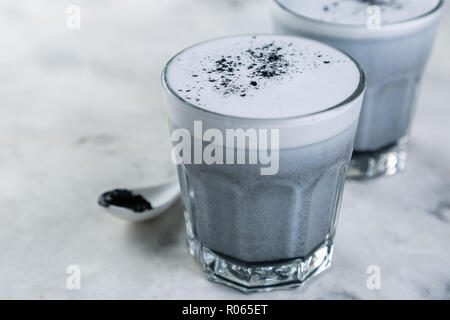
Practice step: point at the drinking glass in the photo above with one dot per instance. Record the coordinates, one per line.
(254, 231)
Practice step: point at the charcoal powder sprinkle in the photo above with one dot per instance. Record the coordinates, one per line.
(249, 69)
(242, 75)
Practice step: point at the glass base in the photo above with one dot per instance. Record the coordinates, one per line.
(259, 277)
(384, 162)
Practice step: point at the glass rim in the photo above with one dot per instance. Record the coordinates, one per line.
(331, 23)
(354, 96)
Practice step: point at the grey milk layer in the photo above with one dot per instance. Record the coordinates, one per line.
(253, 218)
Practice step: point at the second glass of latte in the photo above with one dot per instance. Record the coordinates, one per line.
(392, 40)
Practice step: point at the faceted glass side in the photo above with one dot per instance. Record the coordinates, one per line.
(252, 277)
(385, 162)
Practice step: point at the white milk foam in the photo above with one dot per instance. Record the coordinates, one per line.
(265, 82)
(354, 12)
(264, 76)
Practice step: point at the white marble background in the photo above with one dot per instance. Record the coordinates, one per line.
(81, 112)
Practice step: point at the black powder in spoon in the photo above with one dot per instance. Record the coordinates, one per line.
(125, 199)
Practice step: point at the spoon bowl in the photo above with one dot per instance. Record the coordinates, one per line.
(140, 204)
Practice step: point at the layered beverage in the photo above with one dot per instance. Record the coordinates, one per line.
(391, 39)
(270, 123)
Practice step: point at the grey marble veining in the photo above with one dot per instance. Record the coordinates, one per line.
(81, 112)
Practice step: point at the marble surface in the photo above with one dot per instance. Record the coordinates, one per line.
(81, 112)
